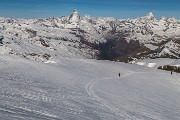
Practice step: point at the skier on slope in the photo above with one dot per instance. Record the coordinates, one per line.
(119, 74)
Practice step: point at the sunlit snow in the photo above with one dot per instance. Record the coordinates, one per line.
(82, 89)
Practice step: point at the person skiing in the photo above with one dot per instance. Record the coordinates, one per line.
(171, 72)
(119, 74)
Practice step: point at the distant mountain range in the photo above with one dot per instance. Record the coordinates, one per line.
(89, 37)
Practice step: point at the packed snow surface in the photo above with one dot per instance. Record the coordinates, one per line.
(82, 89)
(176, 63)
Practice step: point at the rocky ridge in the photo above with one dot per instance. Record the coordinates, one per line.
(89, 37)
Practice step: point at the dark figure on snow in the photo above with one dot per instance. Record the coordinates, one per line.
(119, 74)
(171, 72)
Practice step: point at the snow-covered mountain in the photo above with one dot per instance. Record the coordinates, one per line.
(67, 87)
(89, 37)
(74, 18)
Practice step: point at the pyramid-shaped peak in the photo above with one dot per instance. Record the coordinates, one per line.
(75, 11)
(74, 17)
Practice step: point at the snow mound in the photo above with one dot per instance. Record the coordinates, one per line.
(141, 63)
(49, 61)
(151, 65)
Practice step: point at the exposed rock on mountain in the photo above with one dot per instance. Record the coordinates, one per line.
(89, 37)
(74, 17)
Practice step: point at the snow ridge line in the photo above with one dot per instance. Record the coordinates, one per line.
(91, 93)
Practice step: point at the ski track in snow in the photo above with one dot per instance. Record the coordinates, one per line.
(87, 90)
(91, 93)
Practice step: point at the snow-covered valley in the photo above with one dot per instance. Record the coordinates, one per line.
(84, 89)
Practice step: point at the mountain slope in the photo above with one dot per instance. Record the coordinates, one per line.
(89, 37)
(82, 89)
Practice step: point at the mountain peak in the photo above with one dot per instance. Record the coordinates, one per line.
(74, 17)
(75, 11)
(150, 16)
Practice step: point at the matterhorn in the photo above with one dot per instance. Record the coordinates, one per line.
(74, 17)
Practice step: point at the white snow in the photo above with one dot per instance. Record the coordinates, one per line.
(74, 17)
(83, 89)
(64, 34)
(141, 63)
(65, 85)
(155, 63)
(50, 61)
(151, 65)
(175, 63)
(4, 49)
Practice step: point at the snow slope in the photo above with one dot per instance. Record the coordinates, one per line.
(176, 63)
(82, 89)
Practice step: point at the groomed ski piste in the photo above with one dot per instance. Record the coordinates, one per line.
(84, 89)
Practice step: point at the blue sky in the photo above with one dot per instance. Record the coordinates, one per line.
(104, 8)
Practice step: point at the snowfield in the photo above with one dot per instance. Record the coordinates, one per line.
(83, 89)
